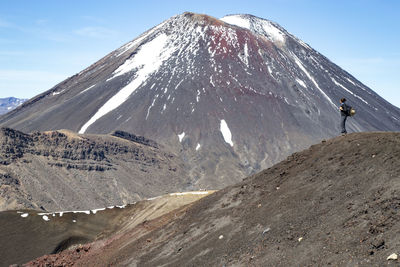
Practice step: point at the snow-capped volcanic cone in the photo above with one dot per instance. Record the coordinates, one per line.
(234, 95)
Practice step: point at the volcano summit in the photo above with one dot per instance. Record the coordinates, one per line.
(232, 96)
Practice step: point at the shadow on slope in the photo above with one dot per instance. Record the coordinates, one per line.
(28, 234)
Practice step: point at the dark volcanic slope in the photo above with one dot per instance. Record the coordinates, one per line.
(336, 203)
(28, 234)
(62, 170)
(234, 95)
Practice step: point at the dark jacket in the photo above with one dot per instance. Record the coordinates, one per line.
(345, 109)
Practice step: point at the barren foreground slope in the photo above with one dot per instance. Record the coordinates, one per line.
(336, 203)
(28, 234)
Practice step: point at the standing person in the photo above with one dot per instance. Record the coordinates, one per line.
(344, 113)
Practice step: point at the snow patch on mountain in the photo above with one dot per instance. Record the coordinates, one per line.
(190, 193)
(96, 210)
(181, 136)
(245, 57)
(147, 61)
(222, 33)
(347, 90)
(211, 81)
(87, 89)
(274, 33)
(257, 25)
(152, 105)
(57, 93)
(137, 41)
(87, 212)
(198, 96)
(237, 20)
(301, 82)
(226, 132)
(301, 66)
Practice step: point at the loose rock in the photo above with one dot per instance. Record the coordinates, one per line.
(392, 257)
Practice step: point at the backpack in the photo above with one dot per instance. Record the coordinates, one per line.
(349, 110)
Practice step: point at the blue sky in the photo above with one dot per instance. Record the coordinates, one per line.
(44, 42)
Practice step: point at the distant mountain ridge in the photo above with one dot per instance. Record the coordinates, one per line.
(61, 170)
(230, 96)
(10, 103)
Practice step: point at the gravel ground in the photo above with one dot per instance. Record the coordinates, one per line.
(336, 203)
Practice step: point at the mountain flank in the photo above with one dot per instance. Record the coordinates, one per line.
(62, 170)
(31, 234)
(229, 96)
(335, 203)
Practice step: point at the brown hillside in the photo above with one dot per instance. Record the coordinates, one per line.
(61, 170)
(28, 234)
(336, 203)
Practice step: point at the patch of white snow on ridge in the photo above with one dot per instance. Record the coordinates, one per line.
(237, 20)
(211, 81)
(301, 82)
(131, 44)
(148, 110)
(269, 70)
(351, 82)
(258, 26)
(153, 198)
(87, 89)
(198, 146)
(147, 60)
(62, 212)
(57, 93)
(298, 62)
(347, 90)
(24, 215)
(226, 133)
(135, 42)
(45, 218)
(274, 33)
(245, 58)
(190, 193)
(96, 210)
(83, 211)
(181, 136)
